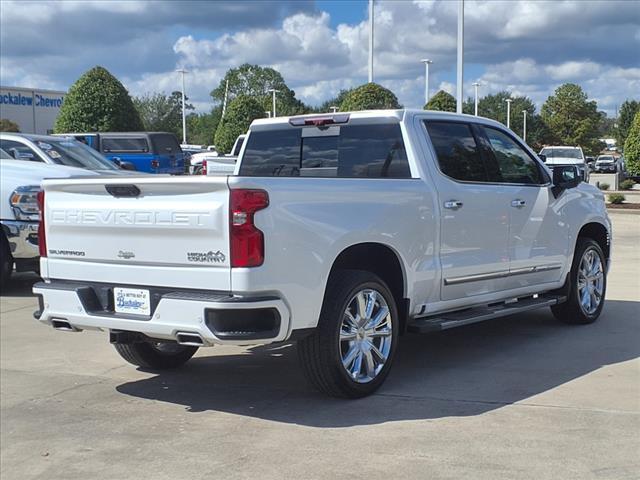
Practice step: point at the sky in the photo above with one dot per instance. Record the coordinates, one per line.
(321, 46)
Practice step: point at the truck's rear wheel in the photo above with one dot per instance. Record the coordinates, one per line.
(155, 355)
(350, 353)
(587, 285)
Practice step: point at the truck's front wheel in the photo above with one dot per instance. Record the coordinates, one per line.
(350, 353)
(6, 262)
(155, 356)
(587, 287)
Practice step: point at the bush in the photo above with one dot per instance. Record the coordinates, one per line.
(632, 147)
(241, 111)
(8, 126)
(369, 96)
(603, 186)
(98, 102)
(442, 101)
(616, 198)
(627, 184)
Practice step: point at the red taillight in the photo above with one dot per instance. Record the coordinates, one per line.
(204, 167)
(42, 239)
(247, 242)
(155, 164)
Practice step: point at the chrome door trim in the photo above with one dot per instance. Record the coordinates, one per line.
(475, 278)
(501, 274)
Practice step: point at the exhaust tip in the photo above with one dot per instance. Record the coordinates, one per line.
(63, 325)
(190, 339)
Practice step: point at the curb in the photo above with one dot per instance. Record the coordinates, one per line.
(624, 211)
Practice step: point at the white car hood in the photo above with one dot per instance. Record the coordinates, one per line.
(564, 161)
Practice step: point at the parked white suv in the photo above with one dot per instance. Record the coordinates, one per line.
(340, 231)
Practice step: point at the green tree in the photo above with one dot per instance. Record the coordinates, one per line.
(572, 119)
(607, 126)
(632, 147)
(336, 101)
(98, 102)
(7, 125)
(626, 115)
(201, 127)
(240, 113)
(494, 106)
(369, 96)
(256, 81)
(162, 113)
(442, 102)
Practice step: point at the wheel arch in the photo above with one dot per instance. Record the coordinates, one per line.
(383, 261)
(598, 232)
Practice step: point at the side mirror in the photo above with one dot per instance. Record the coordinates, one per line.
(542, 157)
(565, 177)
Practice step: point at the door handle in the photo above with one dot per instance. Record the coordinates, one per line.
(453, 204)
(518, 203)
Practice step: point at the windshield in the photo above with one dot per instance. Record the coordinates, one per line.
(562, 153)
(72, 153)
(605, 158)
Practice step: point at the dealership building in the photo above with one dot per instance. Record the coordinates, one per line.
(34, 110)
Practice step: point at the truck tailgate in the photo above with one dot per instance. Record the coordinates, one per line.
(151, 230)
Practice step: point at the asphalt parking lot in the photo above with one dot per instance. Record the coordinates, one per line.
(521, 397)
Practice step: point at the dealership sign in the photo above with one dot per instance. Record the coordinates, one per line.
(10, 98)
(34, 110)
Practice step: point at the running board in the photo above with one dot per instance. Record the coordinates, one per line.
(468, 316)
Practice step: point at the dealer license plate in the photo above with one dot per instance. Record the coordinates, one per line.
(132, 301)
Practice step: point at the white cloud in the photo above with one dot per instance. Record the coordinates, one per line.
(528, 47)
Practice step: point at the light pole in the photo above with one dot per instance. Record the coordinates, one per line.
(508, 100)
(476, 85)
(370, 41)
(184, 118)
(426, 62)
(273, 100)
(524, 126)
(460, 74)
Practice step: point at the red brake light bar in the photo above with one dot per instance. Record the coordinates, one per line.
(319, 121)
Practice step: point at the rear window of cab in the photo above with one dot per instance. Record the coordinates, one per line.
(346, 151)
(125, 145)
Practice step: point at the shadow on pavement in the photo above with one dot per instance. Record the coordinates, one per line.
(461, 372)
(20, 285)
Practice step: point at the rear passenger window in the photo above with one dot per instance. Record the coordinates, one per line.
(372, 151)
(457, 151)
(165, 144)
(125, 144)
(514, 163)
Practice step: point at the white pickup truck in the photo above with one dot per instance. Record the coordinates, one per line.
(337, 231)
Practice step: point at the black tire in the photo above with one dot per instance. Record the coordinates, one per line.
(6, 262)
(320, 354)
(571, 311)
(152, 356)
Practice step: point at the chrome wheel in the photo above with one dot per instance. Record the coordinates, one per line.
(590, 281)
(365, 335)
